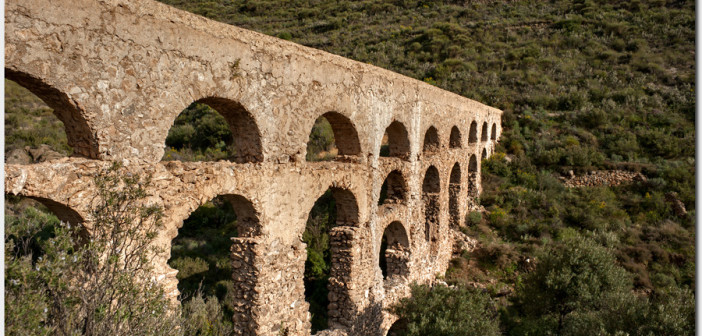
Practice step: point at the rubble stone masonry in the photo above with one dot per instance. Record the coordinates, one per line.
(118, 72)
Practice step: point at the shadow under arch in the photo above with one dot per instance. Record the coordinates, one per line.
(454, 193)
(473, 134)
(455, 138)
(335, 215)
(398, 328)
(398, 141)
(394, 189)
(79, 134)
(394, 254)
(247, 137)
(493, 133)
(431, 188)
(484, 132)
(345, 135)
(431, 140)
(244, 136)
(63, 212)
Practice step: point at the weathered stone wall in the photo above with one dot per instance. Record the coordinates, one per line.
(118, 72)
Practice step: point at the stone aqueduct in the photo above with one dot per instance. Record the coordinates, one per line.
(118, 72)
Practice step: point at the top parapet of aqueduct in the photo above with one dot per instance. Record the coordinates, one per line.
(118, 72)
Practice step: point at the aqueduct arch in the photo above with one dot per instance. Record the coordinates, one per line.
(244, 128)
(455, 138)
(79, 133)
(398, 140)
(431, 140)
(271, 91)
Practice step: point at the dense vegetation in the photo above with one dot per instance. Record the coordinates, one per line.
(45, 258)
(321, 219)
(201, 255)
(199, 133)
(584, 85)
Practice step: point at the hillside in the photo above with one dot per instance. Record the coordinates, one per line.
(585, 86)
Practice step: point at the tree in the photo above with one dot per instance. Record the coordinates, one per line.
(573, 278)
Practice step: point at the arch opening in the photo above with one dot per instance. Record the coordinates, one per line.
(431, 140)
(473, 134)
(454, 193)
(328, 237)
(213, 129)
(431, 187)
(333, 137)
(398, 328)
(202, 253)
(455, 138)
(38, 120)
(484, 155)
(395, 141)
(35, 230)
(394, 254)
(493, 133)
(393, 190)
(35, 218)
(484, 133)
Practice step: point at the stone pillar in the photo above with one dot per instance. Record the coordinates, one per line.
(397, 260)
(473, 187)
(342, 308)
(454, 209)
(280, 307)
(245, 254)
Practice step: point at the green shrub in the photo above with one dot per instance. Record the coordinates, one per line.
(474, 218)
(321, 140)
(322, 218)
(204, 317)
(440, 310)
(571, 277)
(199, 133)
(577, 289)
(115, 295)
(201, 254)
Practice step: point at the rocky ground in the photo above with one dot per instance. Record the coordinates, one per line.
(602, 178)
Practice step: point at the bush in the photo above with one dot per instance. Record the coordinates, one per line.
(440, 310)
(321, 140)
(116, 293)
(199, 133)
(577, 289)
(571, 277)
(204, 317)
(474, 218)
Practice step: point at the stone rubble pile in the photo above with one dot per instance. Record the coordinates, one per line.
(461, 242)
(602, 178)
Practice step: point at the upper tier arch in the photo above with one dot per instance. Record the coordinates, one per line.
(129, 82)
(79, 133)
